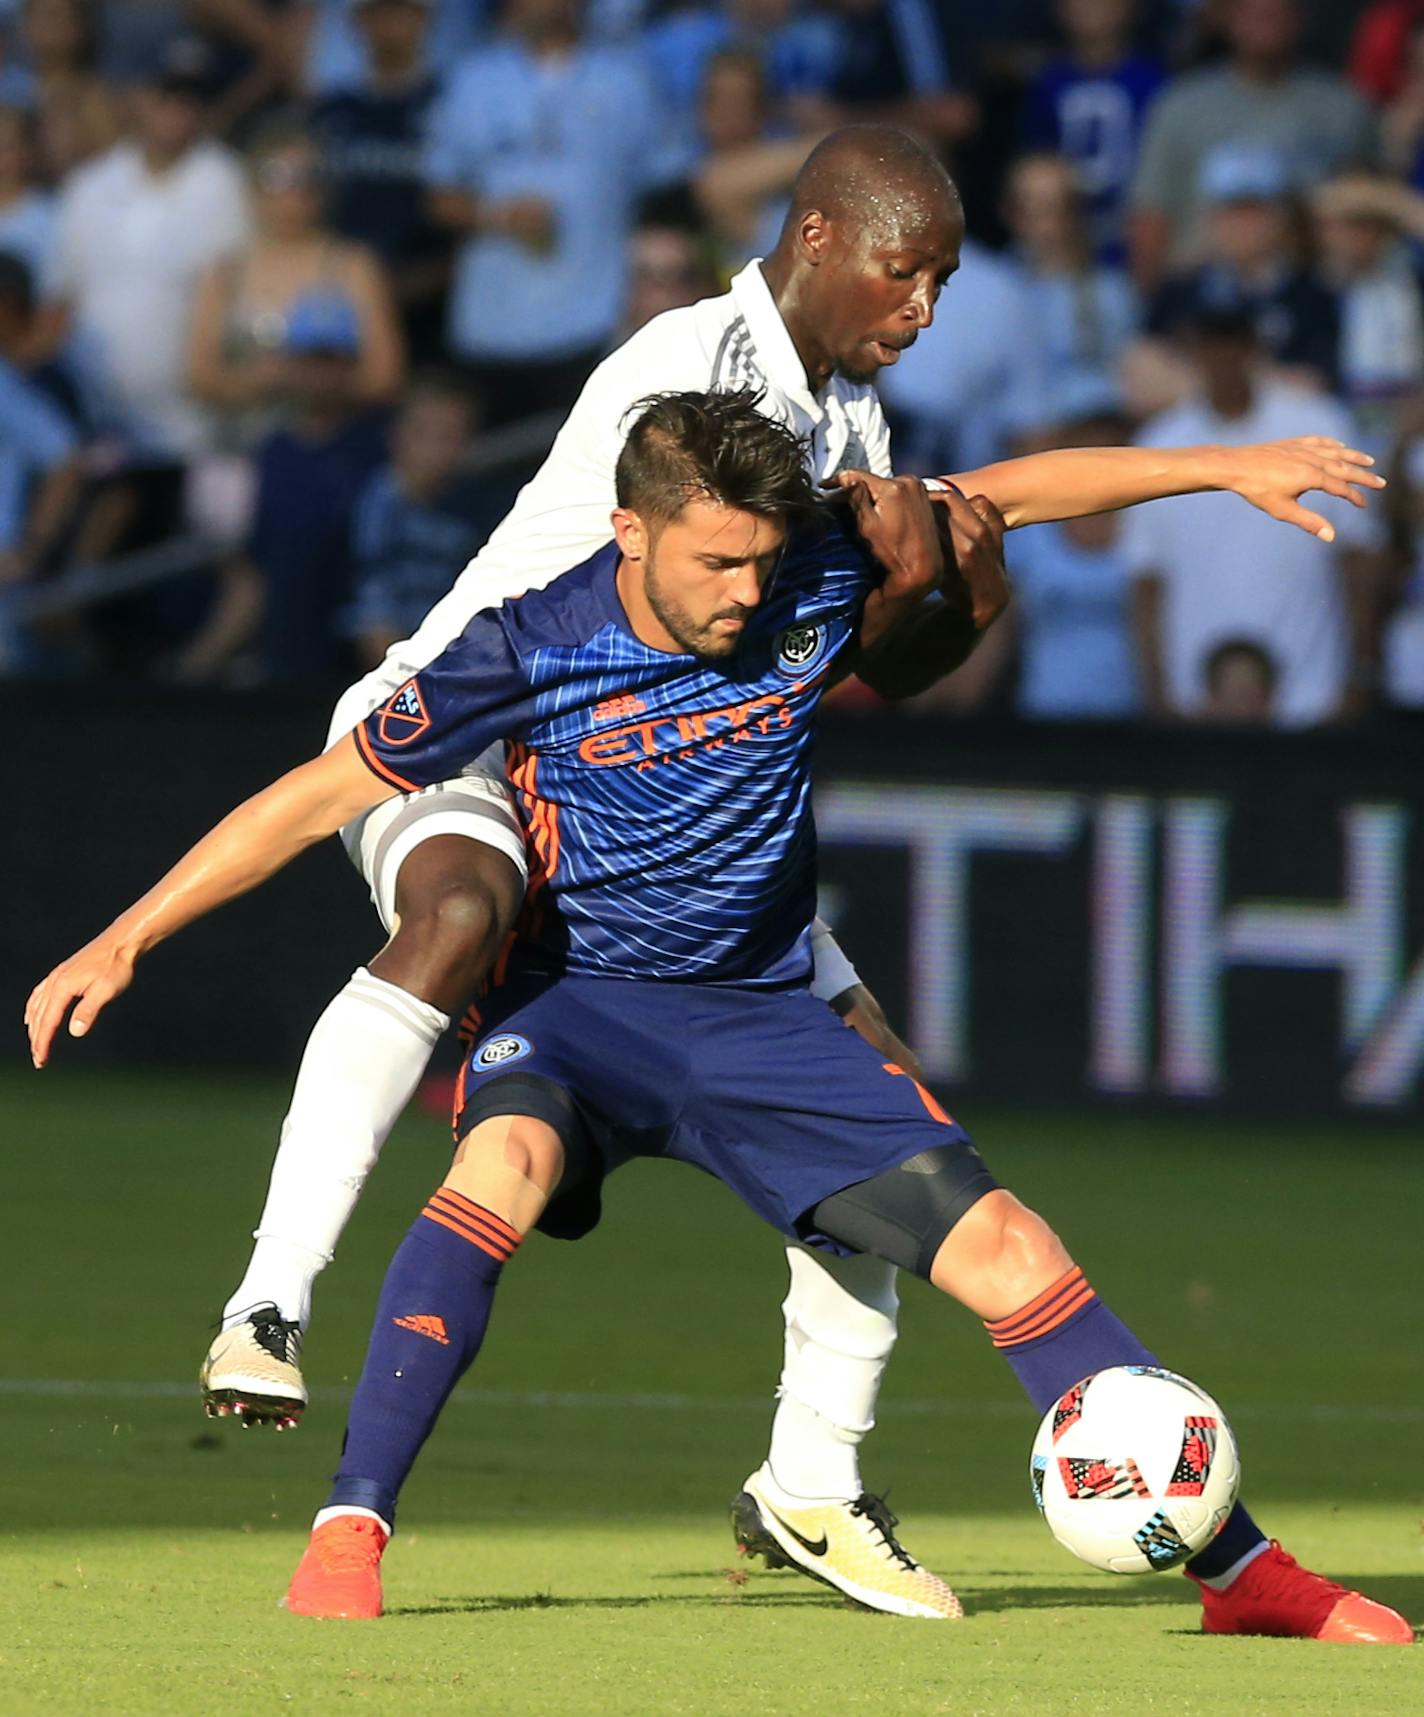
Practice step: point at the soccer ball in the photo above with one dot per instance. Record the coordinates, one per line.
(1135, 1469)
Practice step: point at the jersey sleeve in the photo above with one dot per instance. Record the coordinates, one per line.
(476, 692)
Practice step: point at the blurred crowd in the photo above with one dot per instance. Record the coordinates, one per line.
(288, 288)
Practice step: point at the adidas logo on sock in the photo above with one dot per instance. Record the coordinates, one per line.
(423, 1324)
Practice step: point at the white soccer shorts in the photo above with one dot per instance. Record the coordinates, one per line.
(477, 804)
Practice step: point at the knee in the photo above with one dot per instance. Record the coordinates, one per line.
(535, 1153)
(999, 1256)
(1030, 1255)
(512, 1165)
(460, 924)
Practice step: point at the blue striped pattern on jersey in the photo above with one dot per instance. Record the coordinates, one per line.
(667, 799)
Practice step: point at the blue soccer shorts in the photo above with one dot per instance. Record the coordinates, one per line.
(768, 1091)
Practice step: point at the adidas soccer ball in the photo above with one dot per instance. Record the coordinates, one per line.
(1135, 1469)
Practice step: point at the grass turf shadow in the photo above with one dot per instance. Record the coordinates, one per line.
(494, 1604)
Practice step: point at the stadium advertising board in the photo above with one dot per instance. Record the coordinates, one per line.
(1178, 916)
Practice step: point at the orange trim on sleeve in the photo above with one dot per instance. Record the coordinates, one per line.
(375, 765)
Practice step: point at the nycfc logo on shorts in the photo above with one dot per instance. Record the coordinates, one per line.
(800, 649)
(500, 1051)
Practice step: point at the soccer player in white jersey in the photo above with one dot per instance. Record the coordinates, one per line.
(872, 236)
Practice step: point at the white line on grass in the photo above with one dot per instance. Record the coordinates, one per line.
(58, 1388)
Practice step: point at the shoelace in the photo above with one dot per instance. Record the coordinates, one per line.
(351, 1549)
(877, 1512)
(275, 1334)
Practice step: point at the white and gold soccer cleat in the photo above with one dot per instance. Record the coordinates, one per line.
(849, 1545)
(253, 1371)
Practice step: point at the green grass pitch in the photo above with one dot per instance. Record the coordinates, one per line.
(564, 1547)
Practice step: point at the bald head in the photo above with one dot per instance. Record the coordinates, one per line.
(875, 176)
(872, 235)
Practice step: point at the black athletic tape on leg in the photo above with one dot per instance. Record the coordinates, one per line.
(531, 1094)
(904, 1213)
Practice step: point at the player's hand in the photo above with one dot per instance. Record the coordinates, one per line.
(1273, 475)
(895, 521)
(976, 534)
(89, 980)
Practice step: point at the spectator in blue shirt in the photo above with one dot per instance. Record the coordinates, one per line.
(371, 134)
(1069, 630)
(419, 519)
(801, 52)
(286, 594)
(1081, 313)
(1088, 104)
(539, 149)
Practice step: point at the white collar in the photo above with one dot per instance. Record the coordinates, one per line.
(778, 356)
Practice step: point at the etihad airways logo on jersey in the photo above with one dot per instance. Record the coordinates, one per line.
(663, 739)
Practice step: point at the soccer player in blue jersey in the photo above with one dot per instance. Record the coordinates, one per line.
(658, 702)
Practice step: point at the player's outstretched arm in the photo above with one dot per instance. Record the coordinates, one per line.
(1070, 482)
(264, 833)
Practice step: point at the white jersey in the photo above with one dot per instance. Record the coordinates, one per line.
(562, 514)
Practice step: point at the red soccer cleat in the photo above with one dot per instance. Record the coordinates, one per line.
(340, 1574)
(1274, 1595)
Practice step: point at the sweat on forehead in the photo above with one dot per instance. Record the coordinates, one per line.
(877, 177)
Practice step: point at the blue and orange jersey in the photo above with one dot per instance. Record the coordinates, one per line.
(666, 797)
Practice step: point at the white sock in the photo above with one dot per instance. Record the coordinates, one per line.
(325, 1514)
(1219, 1582)
(363, 1061)
(840, 1328)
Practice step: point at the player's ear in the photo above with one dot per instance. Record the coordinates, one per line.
(815, 236)
(630, 533)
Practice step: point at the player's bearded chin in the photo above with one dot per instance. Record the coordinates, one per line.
(694, 636)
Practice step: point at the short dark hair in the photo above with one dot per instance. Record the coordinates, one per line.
(714, 447)
(1244, 650)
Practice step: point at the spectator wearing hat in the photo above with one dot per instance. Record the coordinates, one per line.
(1251, 265)
(1263, 94)
(237, 340)
(539, 150)
(1361, 228)
(371, 134)
(1206, 570)
(136, 228)
(1089, 104)
(275, 617)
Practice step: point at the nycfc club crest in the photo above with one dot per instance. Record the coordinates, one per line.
(801, 649)
(501, 1050)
